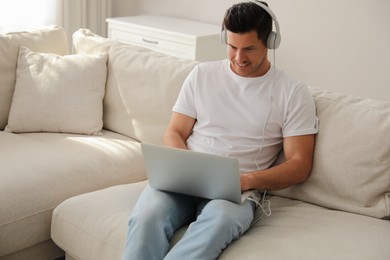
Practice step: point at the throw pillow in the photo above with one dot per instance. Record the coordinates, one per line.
(55, 93)
(48, 39)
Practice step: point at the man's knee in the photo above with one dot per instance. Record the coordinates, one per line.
(225, 214)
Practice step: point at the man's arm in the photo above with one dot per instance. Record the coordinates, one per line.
(298, 151)
(178, 130)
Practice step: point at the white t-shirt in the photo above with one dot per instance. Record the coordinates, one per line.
(231, 110)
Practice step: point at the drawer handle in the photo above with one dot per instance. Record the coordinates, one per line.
(149, 41)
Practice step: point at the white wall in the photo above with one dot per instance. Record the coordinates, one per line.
(122, 7)
(336, 45)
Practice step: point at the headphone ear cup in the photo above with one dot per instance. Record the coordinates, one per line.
(273, 40)
(223, 36)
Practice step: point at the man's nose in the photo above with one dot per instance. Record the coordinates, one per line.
(240, 57)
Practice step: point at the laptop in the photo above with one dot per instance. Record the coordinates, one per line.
(193, 173)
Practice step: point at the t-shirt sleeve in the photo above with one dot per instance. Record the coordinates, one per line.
(185, 103)
(301, 116)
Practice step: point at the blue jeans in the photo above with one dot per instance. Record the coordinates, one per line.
(214, 224)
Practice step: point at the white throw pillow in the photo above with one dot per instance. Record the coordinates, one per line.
(48, 40)
(55, 93)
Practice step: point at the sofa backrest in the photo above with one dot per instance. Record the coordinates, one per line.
(351, 170)
(47, 40)
(142, 86)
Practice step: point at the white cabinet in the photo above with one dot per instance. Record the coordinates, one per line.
(178, 37)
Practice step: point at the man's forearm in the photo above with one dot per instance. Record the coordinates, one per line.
(279, 177)
(179, 128)
(174, 140)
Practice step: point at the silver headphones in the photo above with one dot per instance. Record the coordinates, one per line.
(274, 38)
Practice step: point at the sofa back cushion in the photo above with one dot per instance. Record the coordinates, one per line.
(351, 170)
(142, 86)
(47, 40)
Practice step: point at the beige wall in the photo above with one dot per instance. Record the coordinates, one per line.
(337, 45)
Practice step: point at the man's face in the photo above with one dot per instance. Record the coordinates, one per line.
(247, 54)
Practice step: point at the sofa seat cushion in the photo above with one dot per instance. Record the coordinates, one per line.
(40, 170)
(94, 226)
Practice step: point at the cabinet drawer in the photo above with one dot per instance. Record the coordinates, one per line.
(155, 42)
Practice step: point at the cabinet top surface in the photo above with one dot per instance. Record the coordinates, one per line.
(170, 24)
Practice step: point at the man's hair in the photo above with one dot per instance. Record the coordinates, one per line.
(248, 16)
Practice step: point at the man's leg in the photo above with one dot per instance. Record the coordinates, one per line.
(154, 219)
(219, 223)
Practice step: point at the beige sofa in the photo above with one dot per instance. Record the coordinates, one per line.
(93, 178)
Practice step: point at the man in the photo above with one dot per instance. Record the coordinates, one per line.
(241, 107)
